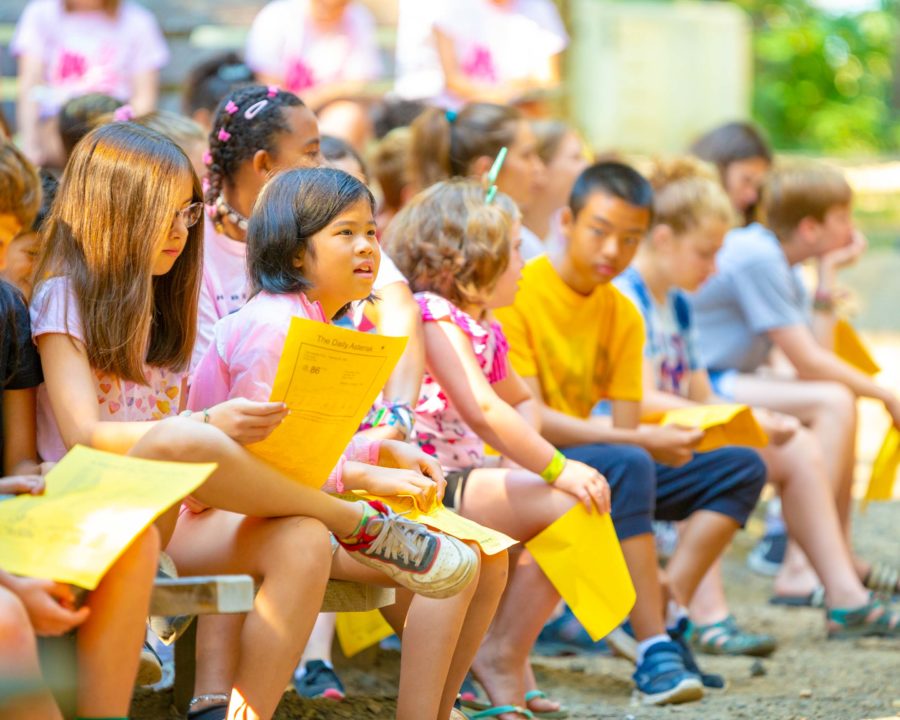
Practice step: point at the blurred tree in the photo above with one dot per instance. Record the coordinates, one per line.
(825, 82)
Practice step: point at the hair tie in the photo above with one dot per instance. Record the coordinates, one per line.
(255, 109)
(224, 135)
(207, 158)
(125, 113)
(273, 91)
(204, 184)
(451, 116)
(231, 108)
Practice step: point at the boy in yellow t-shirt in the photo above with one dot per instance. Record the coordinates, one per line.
(576, 340)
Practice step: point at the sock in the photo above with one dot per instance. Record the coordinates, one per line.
(675, 613)
(370, 510)
(645, 645)
(774, 519)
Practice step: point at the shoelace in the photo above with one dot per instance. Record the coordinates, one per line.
(400, 538)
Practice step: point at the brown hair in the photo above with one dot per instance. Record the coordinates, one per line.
(110, 7)
(117, 197)
(181, 130)
(80, 115)
(687, 193)
(731, 142)
(448, 241)
(549, 134)
(444, 144)
(800, 190)
(389, 165)
(20, 186)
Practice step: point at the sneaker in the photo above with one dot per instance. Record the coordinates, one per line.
(427, 562)
(565, 636)
(317, 679)
(662, 679)
(767, 556)
(680, 635)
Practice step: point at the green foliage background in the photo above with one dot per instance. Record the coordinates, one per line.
(827, 83)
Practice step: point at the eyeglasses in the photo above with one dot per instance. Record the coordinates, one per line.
(190, 215)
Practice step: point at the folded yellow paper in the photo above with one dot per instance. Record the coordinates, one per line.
(724, 425)
(581, 556)
(329, 377)
(447, 521)
(95, 505)
(850, 348)
(884, 469)
(357, 631)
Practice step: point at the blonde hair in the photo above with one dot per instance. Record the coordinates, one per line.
(799, 190)
(687, 193)
(20, 186)
(117, 198)
(449, 242)
(181, 130)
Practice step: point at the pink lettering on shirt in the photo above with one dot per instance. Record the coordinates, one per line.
(71, 65)
(480, 64)
(299, 76)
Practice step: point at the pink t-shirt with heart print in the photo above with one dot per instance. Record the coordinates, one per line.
(54, 309)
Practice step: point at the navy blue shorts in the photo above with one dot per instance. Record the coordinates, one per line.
(726, 481)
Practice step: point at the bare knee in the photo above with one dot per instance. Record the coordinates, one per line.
(495, 569)
(299, 545)
(838, 401)
(17, 637)
(179, 439)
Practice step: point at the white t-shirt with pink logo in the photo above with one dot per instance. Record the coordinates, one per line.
(54, 309)
(493, 44)
(285, 42)
(84, 52)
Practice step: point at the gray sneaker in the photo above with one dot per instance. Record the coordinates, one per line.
(422, 560)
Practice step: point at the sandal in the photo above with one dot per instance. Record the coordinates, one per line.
(493, 712)
(727, 638)
(563, 711)
(875, 619)
(883, 579)
(815, 599)
(215, 711)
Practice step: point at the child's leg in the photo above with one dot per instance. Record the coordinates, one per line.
(109, 641)
(321, 639)
(709, 604)
(19, 663)
(292, 557)
(219, 645)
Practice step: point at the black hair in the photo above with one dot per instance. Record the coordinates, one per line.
(80, 115)
(245, 136)
(294, 206)
(49, 186)
(335, 148)
(731, 142)
(615, 179)
(211, 80)
(391, 113)
(12, 302)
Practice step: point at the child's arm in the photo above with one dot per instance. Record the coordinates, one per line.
(515, 393)
(31, 73)
(813, 362)
(144, 91)
(19, 443)
(50, 604)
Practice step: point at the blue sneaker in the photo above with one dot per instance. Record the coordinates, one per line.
(565, 636)
(662, 678)
(317, 679)
(680, 635)
(768, 554)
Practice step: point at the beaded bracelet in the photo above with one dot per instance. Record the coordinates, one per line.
(555, 468)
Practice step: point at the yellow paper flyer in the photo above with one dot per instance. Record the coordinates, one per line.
(95, 504)
(357, 631)
(850, 348)
(329, 377)
(724, 425)
(581, 556)
(447, 521)
(884, 469)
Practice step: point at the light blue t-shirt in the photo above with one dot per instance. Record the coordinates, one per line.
(671, 345)
(754, 290)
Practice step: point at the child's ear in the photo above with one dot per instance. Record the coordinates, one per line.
(661, 236)
(566, 221)
(480, 166)
(808, 230)
(298, 260)
(262, 163)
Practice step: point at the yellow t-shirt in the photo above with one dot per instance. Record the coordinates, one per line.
(582, 349)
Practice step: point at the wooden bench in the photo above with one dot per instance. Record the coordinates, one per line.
(225, 594)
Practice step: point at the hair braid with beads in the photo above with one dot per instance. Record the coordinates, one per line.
(235, 137)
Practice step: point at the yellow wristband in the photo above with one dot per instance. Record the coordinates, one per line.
(555, 468)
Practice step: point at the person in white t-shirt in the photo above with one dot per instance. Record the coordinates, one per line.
(325, 51)
(69, 48)
(478, 50)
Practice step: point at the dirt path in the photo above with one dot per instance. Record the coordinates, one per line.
(807, 678)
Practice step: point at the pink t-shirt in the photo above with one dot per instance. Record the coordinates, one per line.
(242, 361)
(84, 52)
(224, 287)
(285, 42)
(495, 44)
(54, 309)
(440, 430)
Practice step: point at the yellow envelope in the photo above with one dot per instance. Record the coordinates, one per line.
(329, 377)
(357, 631)
(581, 556)
(95, 505)
(447, 521)
(724, 424)
(849, 347)
(884, 469)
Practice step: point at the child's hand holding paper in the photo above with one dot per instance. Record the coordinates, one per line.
(394, 482)
(723, 425)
